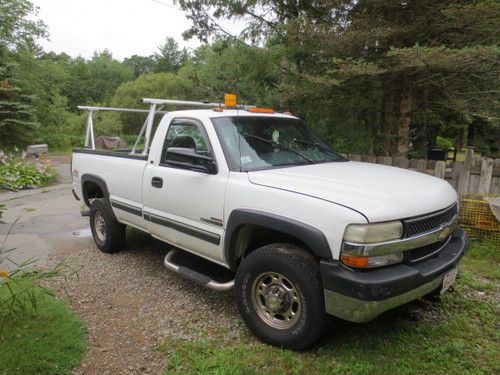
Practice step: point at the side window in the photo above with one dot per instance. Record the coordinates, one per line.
(184, 135)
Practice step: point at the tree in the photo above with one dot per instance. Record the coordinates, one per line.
(263, 19)
(401, 58)
(141, 64)
(155, 85)
(427, 54)
(17, 117)
(170, 58)
(95, 80)
(18, 29)
(226, 66)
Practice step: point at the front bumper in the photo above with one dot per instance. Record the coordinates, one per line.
(359, 296)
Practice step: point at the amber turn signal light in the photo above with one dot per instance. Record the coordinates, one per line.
(359, 262)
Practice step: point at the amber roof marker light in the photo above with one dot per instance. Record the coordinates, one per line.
(231, 102)
(260, 110)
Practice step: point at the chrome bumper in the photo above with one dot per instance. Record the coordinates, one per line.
(359, 311)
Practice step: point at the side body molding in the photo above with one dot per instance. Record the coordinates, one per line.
(311, 236)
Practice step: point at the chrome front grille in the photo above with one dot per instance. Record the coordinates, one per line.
(430, 222)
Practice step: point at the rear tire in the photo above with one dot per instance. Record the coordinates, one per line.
(279, 294)
(109, 235)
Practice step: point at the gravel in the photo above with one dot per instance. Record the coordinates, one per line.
(131, 303)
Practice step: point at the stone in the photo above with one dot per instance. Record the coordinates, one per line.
(37, 149)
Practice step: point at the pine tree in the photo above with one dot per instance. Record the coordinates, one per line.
(17, 116)
(414, 60)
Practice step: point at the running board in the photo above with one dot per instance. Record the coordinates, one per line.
(195, 275)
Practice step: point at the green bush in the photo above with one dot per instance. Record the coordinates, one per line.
(61, 141)
(16, 173)
(108, 124)
(444, 143)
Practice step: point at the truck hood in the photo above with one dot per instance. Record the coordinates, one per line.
(378, 192)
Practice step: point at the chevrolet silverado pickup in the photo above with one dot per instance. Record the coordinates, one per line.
(304, 232)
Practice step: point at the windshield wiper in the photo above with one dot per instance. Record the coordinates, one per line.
(319, 146)
(279, 145)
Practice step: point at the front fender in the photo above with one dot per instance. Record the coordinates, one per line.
(311, 236)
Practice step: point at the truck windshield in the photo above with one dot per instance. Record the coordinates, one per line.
(255, 143)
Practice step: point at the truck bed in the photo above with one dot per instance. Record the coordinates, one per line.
(121, 172)
(121, 153)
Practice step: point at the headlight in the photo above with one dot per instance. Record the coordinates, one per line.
(356, 249)
(370, 233)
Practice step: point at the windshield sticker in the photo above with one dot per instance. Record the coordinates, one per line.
(246, 159)
(276, 136)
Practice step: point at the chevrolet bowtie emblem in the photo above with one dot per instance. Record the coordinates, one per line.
(444, 233)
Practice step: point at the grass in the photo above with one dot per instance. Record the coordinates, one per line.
(457, 335)
(50, 340)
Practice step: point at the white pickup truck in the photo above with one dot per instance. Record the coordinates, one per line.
(304, 232)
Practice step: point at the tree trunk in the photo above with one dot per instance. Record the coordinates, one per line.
(405, 109)
(388, 119)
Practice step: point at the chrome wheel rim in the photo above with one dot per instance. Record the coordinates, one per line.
(100, 226)
(276, 300)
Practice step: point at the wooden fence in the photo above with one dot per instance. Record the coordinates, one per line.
(475, 175)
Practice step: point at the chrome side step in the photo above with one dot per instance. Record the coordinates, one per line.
(195, 275)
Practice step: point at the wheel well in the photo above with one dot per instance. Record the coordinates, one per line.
(249, 237)
(91, 190)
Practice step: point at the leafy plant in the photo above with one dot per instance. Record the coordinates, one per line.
(16, 173)
(443, 143)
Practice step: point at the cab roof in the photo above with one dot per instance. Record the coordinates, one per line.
(211, 113)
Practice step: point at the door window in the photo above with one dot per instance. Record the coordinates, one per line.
(185, 135)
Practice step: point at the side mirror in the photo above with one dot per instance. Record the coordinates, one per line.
(187, 158)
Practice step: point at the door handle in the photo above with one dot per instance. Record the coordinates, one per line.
(157, 182)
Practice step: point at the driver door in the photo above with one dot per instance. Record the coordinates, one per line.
(184, 207)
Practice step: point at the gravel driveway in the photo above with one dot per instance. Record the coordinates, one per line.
(131, 303)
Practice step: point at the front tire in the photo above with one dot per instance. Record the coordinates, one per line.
(109, 235)
(280, 296)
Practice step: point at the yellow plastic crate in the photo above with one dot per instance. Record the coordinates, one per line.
(477, 219)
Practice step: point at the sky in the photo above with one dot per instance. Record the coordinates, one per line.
(125, 27)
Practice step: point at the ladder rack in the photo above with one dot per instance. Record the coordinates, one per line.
(189, 103)
(147, 127)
